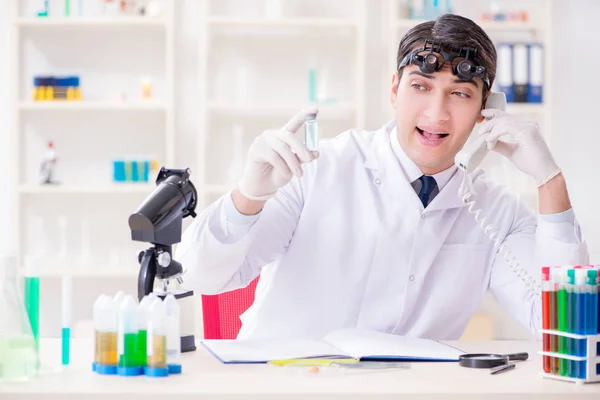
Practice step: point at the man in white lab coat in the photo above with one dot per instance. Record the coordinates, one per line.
(370, 232)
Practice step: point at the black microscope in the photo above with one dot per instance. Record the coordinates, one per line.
(158, 220)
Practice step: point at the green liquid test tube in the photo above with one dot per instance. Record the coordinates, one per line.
(32, 296)
(562, 322)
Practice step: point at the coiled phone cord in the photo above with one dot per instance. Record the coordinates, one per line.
(466, 192)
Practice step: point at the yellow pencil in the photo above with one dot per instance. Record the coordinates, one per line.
(314, 362)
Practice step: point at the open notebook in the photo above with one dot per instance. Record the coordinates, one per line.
(345, 343)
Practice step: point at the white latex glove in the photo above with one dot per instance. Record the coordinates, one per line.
(274, 158)
(529, 152)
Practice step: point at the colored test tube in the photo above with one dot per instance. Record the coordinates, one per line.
(580, 319)
(546, 316)
(67, 295)
(593, 302)
(561, 300)
(571, 311)
(555, 276)
(598, 303)
(128, 338)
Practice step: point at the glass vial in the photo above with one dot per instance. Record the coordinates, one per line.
(311, 132)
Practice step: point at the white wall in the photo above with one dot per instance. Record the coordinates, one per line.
(5, 121)
(576, 105)
(574, 120)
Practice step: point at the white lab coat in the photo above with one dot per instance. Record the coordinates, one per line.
(350, 245)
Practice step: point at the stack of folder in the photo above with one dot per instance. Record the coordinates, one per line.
(520, 72)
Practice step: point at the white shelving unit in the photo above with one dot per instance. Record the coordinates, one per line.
(303, 32)
(534, 30)
(81, 189)
(307, 23)
(91, 106)
(91, 22)
(98, 192)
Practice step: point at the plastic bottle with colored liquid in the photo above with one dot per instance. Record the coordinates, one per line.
(106, 323)
(156, 347)
(173, 334)
(96, 316)
(144, 314)
(128, 328)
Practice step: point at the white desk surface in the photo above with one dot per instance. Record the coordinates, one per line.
(204, 377)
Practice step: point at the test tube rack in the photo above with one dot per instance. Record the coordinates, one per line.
(592, 358)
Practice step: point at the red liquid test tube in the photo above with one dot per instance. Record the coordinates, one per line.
(546, 288)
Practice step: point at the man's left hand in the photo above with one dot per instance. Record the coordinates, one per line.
(528, 149)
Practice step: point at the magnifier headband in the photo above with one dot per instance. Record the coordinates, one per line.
(431, 58)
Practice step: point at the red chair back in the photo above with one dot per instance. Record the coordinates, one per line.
(221, 312)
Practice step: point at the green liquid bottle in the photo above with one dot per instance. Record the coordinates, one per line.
(144, 310)
(127, 332)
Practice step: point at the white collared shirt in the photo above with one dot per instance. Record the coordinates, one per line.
(413, 173)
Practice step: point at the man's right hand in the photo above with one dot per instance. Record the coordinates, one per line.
(274, 158)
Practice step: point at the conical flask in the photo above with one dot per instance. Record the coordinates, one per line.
(18, 353)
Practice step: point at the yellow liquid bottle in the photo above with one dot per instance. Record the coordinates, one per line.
(156, 347)
(106, 334)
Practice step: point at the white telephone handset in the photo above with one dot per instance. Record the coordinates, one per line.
(467, 160)
(473, 153)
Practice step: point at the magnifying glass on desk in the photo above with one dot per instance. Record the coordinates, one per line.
(497, 362)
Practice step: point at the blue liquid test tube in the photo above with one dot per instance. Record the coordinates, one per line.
(580, 318)
(571, 310)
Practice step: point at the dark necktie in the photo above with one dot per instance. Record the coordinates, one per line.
(428, 183)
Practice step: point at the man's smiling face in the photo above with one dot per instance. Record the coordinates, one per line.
(435, 114)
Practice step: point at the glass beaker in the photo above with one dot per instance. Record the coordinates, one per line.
(19, 359)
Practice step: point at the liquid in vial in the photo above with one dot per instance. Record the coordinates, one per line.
(311, 132)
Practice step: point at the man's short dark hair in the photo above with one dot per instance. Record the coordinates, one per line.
(452, 30)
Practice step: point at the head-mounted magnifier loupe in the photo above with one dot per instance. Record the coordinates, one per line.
(463, 61)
